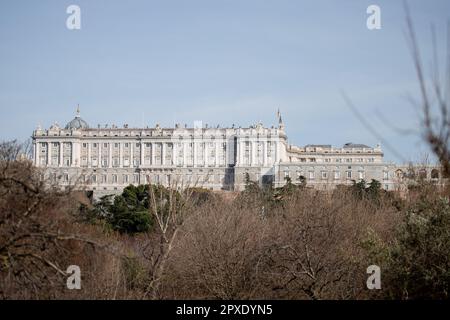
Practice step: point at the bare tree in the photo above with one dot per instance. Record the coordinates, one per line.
(169, 207)
(38, 239)
(434, 97)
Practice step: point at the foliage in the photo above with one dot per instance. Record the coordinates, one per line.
(361, 191)
(200, 196)
(290, 242)
(127, 212)
(419, 266)
(359, 188)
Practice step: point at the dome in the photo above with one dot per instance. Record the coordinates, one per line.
(77, 123)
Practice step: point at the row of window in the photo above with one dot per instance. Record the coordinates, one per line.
(44, 161)
(43, 145)
(106, 145)
(149, 145)
(336, 175)
(147, 161)
(135, 179)
(334, 151)
(338, 160)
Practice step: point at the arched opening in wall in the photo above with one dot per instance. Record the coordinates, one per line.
(435, 174)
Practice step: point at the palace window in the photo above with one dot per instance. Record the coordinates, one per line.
(361, 174)
(337, 175)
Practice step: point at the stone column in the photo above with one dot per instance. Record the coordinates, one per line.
(265, 153)
(61, 153)
(99, 159)
(72, 154)
(217, 153)
(195, 150)
(242, 153)
(49, 153)
(163, 153)
(275, 156)
(205, 153)
(184, 154)
(153, 150)
(120, 155)
(142, 154)
(132, 154)
(110, 155)
(238, 153)
(89, 163)
(175, 153)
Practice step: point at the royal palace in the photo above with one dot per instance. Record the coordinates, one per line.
(107, 159)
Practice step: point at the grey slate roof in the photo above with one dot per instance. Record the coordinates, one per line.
(355, 145)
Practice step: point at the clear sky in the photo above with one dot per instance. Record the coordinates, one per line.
(219, 61)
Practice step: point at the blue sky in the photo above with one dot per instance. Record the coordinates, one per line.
(220, 61)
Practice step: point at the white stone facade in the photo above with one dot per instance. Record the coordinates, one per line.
(105, 160)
